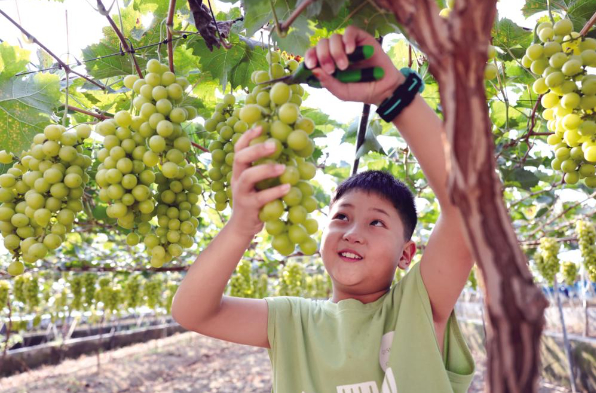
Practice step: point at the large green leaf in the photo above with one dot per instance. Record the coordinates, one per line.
(109, 66)
(234, 65)
(12, 60)
(25, 108)
(579, 11)
(506, 35)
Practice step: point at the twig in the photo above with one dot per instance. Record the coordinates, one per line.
(550, 12)
(89, 113)
(102, 10)
(285, 25)
(587, 26)
(62, 64)
(541, 228)
(199, 147)
(169, 28)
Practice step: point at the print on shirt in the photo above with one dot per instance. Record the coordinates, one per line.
(388, 386)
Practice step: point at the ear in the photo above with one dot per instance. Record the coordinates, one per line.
(407, 255)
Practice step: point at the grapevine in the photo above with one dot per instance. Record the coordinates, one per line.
(560, 60)
(586, 235)
(42, 193)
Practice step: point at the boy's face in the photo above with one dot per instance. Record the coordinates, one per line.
(370, 227)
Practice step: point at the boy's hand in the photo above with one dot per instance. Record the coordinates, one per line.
(332, 52)
(247, 201)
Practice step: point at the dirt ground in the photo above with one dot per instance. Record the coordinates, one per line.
(186, 362)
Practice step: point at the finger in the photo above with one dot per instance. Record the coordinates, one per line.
(244, 158)
(354, 36)
(250, 177)
(325, 60)
(310, 58)
(271, 194)
(245, 139)
(338, 52)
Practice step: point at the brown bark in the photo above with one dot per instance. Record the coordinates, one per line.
(457, 52)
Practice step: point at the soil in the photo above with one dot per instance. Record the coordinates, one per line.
(185, 362)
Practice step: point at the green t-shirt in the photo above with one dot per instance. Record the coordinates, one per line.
(387, 346)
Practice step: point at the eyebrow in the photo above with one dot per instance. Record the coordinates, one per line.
(372, 208)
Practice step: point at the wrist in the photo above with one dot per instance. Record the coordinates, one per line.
(396, 79)
(239, 230)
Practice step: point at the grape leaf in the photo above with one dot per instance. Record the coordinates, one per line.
(25, 108)
(506, 35)
(256, 14)
(579, 11)
(234, 65)
(12, 60)
(370, 140)
(108, 66)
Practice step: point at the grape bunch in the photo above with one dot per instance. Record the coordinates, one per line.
(110, 296)
(276, 109)
(569, 272)
(4, 290)
(586, 235)
(42, 192)
(147, 148)
(132, 291)
(76, 288)
(491, 70)
(261, 285)
(170, 293)
(548, 264)
(153, 290)
(226, 124)
(32, 292)
(560, 60)
(89, 280)
(292, 280)
(241, 283)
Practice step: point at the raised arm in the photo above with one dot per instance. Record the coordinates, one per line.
(446, 262)
(199, 303)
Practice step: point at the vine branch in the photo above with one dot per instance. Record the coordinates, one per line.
(588, 25)
(284, 26)
(199, 147)
(170, 27)
(62, 64)
(102, 10)
(88, 113)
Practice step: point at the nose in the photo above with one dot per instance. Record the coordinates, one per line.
(353, 235)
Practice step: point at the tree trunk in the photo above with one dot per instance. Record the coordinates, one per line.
(565, 338)
(457, 52)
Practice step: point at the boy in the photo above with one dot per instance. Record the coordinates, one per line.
(369, 337)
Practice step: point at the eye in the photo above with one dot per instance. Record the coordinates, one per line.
(379, 221)
(339, 216)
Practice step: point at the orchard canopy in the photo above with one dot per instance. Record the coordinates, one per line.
(116, 162)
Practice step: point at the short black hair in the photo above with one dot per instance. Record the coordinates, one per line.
(386, 186)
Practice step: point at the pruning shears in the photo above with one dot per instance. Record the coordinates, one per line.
(304, 75)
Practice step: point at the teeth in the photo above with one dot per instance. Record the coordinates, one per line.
(350, 255)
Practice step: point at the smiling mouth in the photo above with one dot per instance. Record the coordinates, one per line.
(349, 257)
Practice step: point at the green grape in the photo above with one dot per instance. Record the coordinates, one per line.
(152, 289)
(241, 283)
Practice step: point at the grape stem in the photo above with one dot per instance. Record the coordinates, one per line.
(125, 48)
(88, 113)
(62, 64)
(170, 27)
(199, 147)
(588, 25)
